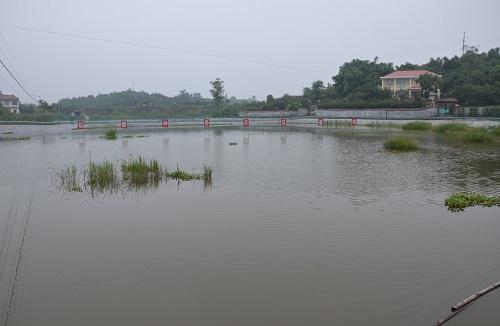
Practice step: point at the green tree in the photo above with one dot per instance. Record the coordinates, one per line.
(217, 92)
(429, 83)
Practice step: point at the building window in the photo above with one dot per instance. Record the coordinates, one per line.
(14, 102)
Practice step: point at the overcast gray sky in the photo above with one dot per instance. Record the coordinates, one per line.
(315, 36)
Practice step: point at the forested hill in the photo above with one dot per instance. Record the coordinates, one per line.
(132, 99)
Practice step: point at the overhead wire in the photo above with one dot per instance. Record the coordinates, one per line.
(157, 47)
(17, 81)
(20, 69)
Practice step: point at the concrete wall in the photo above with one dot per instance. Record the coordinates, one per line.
(380, 114)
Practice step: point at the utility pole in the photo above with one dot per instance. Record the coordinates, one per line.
(463, 45)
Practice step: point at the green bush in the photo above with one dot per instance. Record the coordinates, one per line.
(400, 145)
(417, 126)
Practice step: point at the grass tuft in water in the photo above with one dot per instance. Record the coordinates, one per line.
(400, 144)
(69, 179)
(477, 136)
(101, 176)
(110, 134)
(139, 171)
(495, 131)
(417, 126)
(446, 128)
(461, 200)
(179, 174)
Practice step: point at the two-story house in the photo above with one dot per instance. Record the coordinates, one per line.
(10, 102)
(404, 80)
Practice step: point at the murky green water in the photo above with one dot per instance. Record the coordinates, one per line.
(300, 227)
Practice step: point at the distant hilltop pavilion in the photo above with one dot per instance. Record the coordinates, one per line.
(405, 80)
(10, 102)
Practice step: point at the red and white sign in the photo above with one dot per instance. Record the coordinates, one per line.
(123, 124)
(246, 122)
(321, 122)
(164, 123)
(80, 124)
(354, 121)
(283, 122)
(206, 122)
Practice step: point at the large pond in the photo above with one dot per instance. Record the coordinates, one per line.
(301, 226)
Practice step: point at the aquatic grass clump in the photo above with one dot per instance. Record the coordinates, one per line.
(137, 174)
(417, 126)
(447, 128)
(110, 134)
(139, 171)
(179, 174)
(461, 200)
(477, 136)
(400, 144)
(495, 131)
(101, 176)
(68, 178)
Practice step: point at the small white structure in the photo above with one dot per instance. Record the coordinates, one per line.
(10, 102)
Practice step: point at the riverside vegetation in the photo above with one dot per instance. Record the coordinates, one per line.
(134, 174)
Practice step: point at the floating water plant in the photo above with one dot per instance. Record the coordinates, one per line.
(461, 200)
(110, 134)
(400, 144)
(178, 174)
(417, 126)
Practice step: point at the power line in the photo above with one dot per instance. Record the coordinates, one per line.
(157, 47)
(26, 79)
(7, 83)
(17, 81)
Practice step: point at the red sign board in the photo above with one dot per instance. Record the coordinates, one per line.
(354, 121)
(80, 124)
(246, 122)
(321, 122)
(123, 124)
(206, 122)
(283, 122)
(164, 123)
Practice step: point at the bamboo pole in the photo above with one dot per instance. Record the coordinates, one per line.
(462, 305)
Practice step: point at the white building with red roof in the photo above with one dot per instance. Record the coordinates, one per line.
(10, 102)
(404, 80)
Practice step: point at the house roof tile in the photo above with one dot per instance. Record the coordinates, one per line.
(408, 74)
(4, 97)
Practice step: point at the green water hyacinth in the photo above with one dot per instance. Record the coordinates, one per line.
(461, 200)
